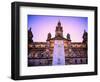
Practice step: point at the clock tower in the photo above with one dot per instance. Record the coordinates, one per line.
(59, 30)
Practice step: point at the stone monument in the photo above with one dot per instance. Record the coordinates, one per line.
(58, 53)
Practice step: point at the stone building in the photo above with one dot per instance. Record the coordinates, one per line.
(41, 53)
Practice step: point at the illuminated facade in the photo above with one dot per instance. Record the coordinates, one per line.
(41, 53)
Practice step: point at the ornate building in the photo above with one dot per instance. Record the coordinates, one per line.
(41, 53)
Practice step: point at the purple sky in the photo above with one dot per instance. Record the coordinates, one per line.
(42, 25)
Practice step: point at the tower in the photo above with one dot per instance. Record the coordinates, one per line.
(30, 36)
(85, 36)
(59, 30)
(58, 51)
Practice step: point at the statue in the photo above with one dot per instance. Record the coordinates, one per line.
(68, 36)
(30, 36)
(49, 36)
(85, 35)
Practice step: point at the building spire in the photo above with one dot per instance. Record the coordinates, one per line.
(59, 23)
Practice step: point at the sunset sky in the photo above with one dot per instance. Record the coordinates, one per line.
(42, 25)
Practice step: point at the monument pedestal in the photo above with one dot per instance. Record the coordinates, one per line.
(58, 53)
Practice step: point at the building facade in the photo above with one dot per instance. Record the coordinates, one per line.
(41, 53)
